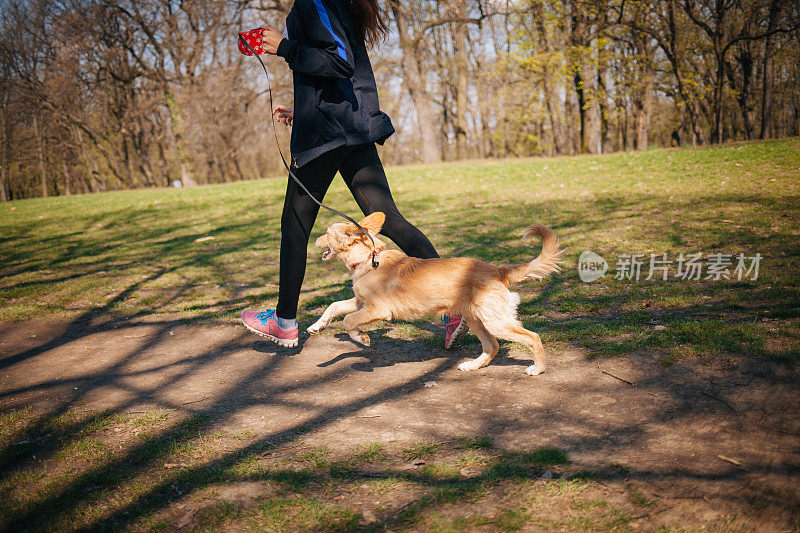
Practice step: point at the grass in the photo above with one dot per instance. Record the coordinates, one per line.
(136, 253)
(421, 450)
(637, 497)
(110, 257)
(308, 489)
(305, 513)
(371, 453)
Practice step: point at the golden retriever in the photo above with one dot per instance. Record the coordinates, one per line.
(408, 288)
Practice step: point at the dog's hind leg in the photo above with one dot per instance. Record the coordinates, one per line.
(513, 331)
(340, 308)
(365, 315)
(488, 343)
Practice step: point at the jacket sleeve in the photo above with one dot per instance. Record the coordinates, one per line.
(328, 53)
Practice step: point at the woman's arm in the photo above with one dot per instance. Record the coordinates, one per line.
(330, 56)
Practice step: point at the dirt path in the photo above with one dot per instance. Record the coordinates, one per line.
(669, 430)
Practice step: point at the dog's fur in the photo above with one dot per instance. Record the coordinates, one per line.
(409, 288)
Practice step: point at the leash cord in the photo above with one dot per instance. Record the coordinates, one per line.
(375, 263)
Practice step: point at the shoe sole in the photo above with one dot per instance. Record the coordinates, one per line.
(460, 331)
(286, 343)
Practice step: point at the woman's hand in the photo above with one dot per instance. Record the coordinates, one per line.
(270, 39)
(284, 114)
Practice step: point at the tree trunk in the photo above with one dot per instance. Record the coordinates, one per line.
(163, 170)
(462, 81)
(176, 124)
(745, 60)
(550, 96)
(67, 178)
(40, 146)
(605, 144)
(768, 72)
(414, 82)
(644, 101)
(573, 134)
(588, 110)
(89, 178)
(716, 132)
(672, 52)
(585, 76)
(3, 181)
(4, 170)
(554, 111)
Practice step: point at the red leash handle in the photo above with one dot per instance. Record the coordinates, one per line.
(247, 46)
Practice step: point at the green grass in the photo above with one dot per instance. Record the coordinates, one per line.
(637, 497)
(303, 489)
(135, 253)
(421, 450)
(113, 256)
(305, 513)
(372, 452)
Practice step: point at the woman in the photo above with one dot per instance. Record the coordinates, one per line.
(336, 122)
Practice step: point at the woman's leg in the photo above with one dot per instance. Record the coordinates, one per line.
(299, 214)
(363, 173)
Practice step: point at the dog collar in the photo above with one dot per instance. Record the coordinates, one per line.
(373, 258)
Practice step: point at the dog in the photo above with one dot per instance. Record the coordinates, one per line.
(408, 288)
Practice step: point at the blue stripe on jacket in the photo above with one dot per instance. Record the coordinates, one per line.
(326, 21)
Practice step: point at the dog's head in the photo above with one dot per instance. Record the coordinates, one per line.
(343, 240)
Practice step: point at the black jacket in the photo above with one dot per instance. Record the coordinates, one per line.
(335, 97)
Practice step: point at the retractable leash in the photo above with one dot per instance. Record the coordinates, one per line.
(255, 37)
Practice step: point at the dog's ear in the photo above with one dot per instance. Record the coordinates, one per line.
(374, 222)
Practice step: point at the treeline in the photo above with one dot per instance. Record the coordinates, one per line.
(110, 94)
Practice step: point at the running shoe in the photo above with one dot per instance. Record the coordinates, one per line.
(454, 328)
(265, 324)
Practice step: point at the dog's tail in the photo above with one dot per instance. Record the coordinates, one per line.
(542, 266)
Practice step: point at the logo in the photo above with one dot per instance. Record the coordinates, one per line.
(591, 266)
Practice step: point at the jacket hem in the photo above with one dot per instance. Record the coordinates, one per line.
(346, 139)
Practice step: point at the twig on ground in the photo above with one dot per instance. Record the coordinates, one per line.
(196, 401)
(777, 430)
(719, 400)
(367, 416)
(729, 460)
(619, 378)
(654, 512)
(611, 488)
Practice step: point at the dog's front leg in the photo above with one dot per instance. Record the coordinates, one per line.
(339, 308)
(358, 318)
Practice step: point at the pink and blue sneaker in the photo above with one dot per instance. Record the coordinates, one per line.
(265, 324)
(454, 328)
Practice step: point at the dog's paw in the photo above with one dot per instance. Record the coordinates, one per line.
(534, 370)
(472, 364)
(316, 327)
(360, 337)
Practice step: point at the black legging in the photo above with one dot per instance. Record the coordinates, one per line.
(363, 173)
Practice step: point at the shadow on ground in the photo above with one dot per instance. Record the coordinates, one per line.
(114, 420)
